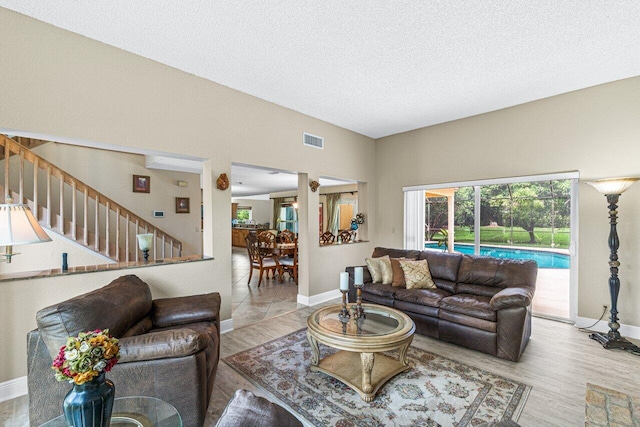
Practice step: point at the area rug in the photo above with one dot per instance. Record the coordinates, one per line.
(437, 391)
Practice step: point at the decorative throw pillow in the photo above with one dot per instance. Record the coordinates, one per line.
(417, 274)
(398, 274)
(385, 270)
(373, 264)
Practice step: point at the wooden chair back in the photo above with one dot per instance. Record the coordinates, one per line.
(346, 236)
(287, 236)
(327, 238)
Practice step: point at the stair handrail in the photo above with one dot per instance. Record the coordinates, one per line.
(11, 146)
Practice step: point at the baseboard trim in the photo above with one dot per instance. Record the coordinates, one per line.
(226, 326)
(318, 299)
(13, 388)
(602, 326)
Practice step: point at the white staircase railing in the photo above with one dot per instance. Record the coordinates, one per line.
(71, 208)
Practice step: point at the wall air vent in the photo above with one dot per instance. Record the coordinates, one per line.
(312, 140)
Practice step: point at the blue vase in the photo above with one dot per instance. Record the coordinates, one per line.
(90, 404)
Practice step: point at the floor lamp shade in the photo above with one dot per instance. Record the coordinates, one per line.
(613, 185)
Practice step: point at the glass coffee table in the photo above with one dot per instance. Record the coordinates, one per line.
(360, 363)
(139, 411)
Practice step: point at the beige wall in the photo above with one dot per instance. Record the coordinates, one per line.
(67, 86)
(595, 131)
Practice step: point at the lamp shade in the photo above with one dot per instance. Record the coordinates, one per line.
(612, 185)
(144, 241)
(18, 226)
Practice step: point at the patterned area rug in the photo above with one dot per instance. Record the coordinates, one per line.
(437, 391)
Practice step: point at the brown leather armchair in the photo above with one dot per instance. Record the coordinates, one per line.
(169, 348)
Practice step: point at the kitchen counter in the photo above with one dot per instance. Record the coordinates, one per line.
(239, 231)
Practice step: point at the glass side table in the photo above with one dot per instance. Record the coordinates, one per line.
(139, 411)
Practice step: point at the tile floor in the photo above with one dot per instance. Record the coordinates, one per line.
(251, 303)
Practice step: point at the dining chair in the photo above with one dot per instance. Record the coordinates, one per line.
(346, 236)
(260, 259)
(290, 263)
(327, 238)
(266, 239)
(287, 236)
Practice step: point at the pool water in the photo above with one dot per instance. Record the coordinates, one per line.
(543, 258)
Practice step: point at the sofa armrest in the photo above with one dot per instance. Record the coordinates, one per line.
(512, 297)
(161, 345)
(168, 312)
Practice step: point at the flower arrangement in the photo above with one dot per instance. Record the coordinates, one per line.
(85, 357)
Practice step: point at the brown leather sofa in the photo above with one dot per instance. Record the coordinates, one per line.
(169, 348)
(482, 303)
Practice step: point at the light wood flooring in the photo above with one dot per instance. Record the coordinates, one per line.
(558, 362)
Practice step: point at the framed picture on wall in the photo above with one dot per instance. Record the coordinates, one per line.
(182, 205)
(141, 184)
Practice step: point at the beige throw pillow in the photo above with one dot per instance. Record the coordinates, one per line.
(385, 270)
(380, 269)
(373, 265)
(417, 274)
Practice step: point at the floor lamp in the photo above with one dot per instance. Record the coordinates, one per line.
(612, 189)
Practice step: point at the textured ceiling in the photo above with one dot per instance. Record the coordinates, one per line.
(249, 181)
(377, 68)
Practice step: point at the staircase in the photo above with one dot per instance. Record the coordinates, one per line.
(67, 206)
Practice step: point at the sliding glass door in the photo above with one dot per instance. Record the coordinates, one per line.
(519, 218)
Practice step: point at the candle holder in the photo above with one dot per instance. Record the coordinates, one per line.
(344, 313)
(358, 311)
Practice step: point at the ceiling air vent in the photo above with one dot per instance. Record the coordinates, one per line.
(312, 140)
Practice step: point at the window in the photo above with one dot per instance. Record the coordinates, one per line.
(288, 218)
(244, 213)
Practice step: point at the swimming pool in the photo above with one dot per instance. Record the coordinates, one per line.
(543, 258)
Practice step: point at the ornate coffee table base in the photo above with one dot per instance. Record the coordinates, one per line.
(363, 372)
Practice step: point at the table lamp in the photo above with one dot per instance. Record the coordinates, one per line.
(144, 242)
(18, 226)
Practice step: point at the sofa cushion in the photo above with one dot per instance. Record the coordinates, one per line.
(445, 284)
(463, 319)
(379, 289)
(471, 305)
(395, 253)
(117, 307)
(248, 410)
(444, 265)
(484, 290)
(478, 270)
(416, 274)
(430, 297)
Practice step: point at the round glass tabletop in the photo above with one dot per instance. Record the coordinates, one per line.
(378, 321)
